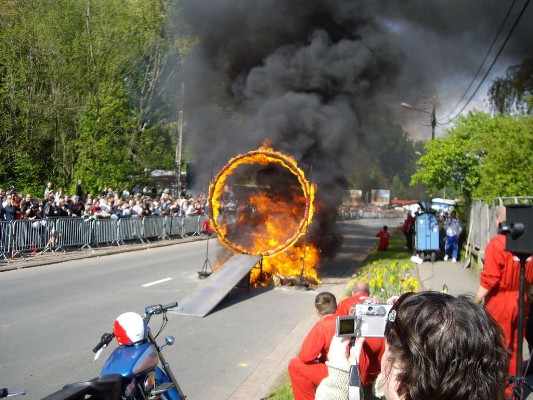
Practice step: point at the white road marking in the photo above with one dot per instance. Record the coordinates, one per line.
(156, 282)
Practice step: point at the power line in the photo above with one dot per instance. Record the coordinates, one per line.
(482, 62)
(495, 59)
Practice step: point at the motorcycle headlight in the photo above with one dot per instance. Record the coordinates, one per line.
(149, 382)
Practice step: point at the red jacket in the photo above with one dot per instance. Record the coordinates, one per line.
(316, 343)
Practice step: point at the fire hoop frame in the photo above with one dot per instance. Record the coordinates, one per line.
(262, 156)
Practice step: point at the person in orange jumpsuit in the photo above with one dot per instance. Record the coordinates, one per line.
(373, 348)
(499, 287)
(307, 370)
(384, 237)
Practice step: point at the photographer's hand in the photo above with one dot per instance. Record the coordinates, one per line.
(338, 352)
(355, 350)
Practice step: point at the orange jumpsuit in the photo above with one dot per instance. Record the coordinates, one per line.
(373, 348)
(501, 276)
(308, 369)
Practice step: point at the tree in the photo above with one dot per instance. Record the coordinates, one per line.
(88, 89)
(482, 157)
(513, 93)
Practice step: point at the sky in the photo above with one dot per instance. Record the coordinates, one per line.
(317, 77)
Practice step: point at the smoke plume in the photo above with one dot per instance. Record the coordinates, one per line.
(314, 77)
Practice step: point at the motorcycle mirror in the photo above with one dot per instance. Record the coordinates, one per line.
(170, 340)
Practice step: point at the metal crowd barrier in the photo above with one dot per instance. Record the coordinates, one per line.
(105, 231)
(23, 237)
(176, 226)
(367, 214)
(5, 240)
(191, 226)
(129, 229)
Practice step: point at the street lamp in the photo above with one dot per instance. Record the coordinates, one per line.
(432, 113)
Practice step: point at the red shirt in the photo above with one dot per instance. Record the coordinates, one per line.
(316, 344)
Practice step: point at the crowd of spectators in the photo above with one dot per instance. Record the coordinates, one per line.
(110, 203)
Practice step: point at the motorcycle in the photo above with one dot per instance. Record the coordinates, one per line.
(136, 369)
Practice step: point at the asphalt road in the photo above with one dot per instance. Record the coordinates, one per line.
(53, 315)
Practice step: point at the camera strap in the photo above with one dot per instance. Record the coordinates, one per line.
(354, 390)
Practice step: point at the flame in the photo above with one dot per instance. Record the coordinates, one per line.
(268, 221)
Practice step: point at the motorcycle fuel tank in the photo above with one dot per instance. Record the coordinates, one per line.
(130, 361)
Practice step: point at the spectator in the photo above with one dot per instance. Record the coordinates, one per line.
(453, 229)
(137, 211)
(436, 347)
(79, 190)
(48, 189)
(17, 199)
(372, 348)
(408, 230)
(89, 200)
(25, 205)
(307, 370)
(34, 211)
(156, 209)
(499, 288)
(62, 208)
(59, 195)
(466, 360)
(189, 208)
(76, 207)
(50, 206)
(104, 205)
(10, 210)
(384, 237)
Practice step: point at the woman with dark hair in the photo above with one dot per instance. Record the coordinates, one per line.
(442, 347)
(437, 347)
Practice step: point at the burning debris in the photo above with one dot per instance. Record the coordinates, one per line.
(262, 204)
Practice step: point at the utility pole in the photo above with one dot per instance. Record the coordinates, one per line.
(432, 113)
(433, 117)
(179, 142)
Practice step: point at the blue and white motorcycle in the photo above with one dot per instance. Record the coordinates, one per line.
(138, 358)
(136, 369)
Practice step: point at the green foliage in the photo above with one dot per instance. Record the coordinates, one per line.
(482, 157)
(88, 90)
(513, 93)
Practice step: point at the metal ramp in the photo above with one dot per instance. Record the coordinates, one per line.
(216, 286)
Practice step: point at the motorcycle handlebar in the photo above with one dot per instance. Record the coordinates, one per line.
(105, 340)
(158, 308)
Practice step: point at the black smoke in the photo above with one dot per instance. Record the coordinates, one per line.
(315, 77)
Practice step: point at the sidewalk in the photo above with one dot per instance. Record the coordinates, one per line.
(433, 276)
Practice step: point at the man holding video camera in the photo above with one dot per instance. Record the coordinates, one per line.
(499, 288)
(307, 370)
(372, 350)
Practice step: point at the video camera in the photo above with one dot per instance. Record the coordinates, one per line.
(365, 320)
